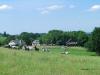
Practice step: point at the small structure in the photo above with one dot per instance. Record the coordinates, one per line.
(13, 43)
(36, 43)
(72, 43)
(16, 42)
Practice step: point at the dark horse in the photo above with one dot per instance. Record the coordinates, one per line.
(36, 49)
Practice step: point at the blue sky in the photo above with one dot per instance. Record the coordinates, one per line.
(39, 16)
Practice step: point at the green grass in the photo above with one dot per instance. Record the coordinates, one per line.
(77, 62)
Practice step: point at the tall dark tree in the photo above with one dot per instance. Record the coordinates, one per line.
(89, 44)
(27, 37)
(96, 40)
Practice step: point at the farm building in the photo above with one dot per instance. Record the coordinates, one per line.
(36, 42)
(16, 42)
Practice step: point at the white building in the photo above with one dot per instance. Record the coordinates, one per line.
(36, 42)
(16, 43)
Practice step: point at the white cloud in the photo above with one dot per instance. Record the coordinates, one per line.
(44, 12)
(4, 7)
(95, 8)
(54, 7)
(50, 8)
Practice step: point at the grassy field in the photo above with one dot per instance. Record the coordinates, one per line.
(77, 62)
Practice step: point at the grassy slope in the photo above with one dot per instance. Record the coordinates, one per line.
(78, 62)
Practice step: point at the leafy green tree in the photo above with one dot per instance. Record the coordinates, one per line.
(77, 36)
(82, 38)
(89, 44)
(10, 37)
(28, 37)
(96, 40)
(59, 37)
(55, 36)
(2, 40)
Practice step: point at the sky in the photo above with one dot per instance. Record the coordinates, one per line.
(40, 16)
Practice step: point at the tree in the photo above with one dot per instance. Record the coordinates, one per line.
(77, 36)
(2, 40)
(10, 37)
(59, 37)
(55, 36)
(25, 37)
(82, 38)
(96, 40)
(52, 37)
(28, 37)
(89, 44)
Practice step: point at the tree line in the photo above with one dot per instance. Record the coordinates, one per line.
(58, 37)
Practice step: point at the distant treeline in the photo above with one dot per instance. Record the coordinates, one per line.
(58, 37)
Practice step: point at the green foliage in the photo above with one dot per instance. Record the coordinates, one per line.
(10, 37)
(59, 37)
(93, 43)
(96, 40)
(89, 44)
(28, 37)
(53, 37)
(2, 40)
(82, 38)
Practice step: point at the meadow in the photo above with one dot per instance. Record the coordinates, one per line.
(78, 62)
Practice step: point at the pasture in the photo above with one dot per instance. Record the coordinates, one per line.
(77, 62)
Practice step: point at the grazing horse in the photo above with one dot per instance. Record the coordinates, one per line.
(15, 47)
(28, 48)
(65, 48)
(36, 49)
(45, 49)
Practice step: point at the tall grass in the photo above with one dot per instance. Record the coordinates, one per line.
(78, 62)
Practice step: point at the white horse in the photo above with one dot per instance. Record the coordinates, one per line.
(27, 48)
(45, 49)
(15, 47)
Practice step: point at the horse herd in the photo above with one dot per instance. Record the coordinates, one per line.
(28, 48)
(20, 45)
